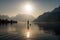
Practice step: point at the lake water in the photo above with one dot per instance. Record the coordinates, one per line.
(19, 32)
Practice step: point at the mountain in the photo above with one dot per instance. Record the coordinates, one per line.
(53, 16)
(56, 9)
(18, 17)
(23, 17)
(50, 21)
(4, 17)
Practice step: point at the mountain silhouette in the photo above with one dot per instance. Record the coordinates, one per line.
(4, 17)
(50, 16)
(50, 21)
(23, 17)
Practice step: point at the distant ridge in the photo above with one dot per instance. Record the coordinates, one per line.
(53, 16)
(23, 17)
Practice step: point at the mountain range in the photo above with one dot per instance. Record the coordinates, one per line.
(53, 16)
(23, 17)
(18, 17)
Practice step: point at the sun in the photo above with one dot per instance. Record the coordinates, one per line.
(28, 7)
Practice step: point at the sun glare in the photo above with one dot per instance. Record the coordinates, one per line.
(28, 7)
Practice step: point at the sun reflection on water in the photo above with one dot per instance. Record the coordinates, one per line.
(28, 34)
(32, 32)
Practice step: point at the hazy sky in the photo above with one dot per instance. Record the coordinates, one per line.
(14, 7)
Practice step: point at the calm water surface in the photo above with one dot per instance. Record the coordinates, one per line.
(19, 32)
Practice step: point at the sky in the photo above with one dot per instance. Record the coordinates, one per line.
(14, 7)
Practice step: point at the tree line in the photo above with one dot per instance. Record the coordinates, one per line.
(5, 21)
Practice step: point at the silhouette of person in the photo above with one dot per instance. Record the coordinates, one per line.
(28, 24)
